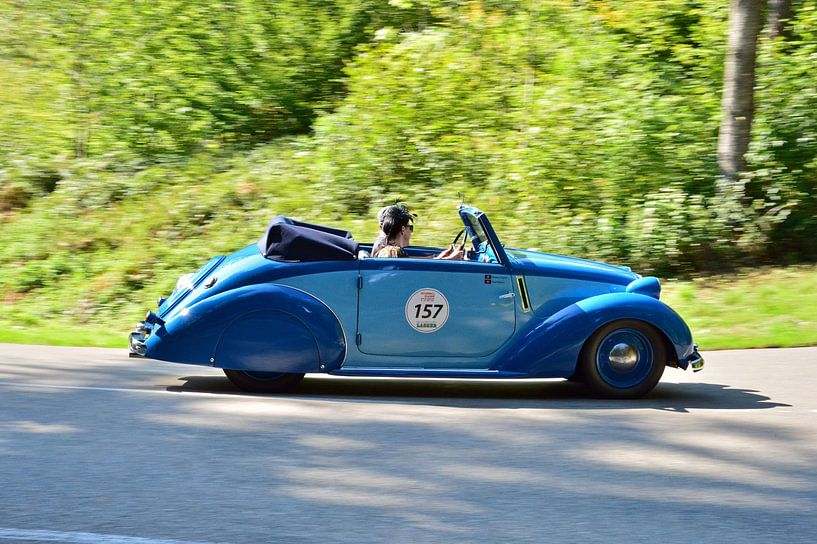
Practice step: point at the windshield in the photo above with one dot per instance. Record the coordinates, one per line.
(475, 230)
(482, 245)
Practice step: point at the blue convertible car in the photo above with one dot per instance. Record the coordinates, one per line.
(308, 298)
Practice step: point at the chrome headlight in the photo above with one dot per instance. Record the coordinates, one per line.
(185, 282)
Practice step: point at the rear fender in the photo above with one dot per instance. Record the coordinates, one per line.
(550, 348)
(266, 327)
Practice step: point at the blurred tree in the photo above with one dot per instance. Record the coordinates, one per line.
(780, 12)
(738, 87)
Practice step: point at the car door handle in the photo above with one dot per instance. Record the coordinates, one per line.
(507, 296)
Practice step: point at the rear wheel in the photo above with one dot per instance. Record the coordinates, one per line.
(623, 360)
(263, 382)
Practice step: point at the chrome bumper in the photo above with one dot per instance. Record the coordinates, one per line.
(136, 345)
(138, 338)
(695, 361)
(136, 341)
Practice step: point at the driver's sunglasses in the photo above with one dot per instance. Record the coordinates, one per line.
(410, 227)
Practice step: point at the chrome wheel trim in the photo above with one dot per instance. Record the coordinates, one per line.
(623, 357)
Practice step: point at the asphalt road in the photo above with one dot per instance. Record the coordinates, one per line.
(98, 448)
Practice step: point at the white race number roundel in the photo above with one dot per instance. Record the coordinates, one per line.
(427, 310)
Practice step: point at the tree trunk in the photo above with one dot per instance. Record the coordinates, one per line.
(779, 15)
(737, 103)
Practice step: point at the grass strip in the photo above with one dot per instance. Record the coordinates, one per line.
(759, 308)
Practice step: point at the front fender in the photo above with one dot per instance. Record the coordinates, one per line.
(550, 348)
(264, 327)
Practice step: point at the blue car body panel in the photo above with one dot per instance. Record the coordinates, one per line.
(550, 347)
(532, 263)
(479, 320)
(260, 327)
(503, 313)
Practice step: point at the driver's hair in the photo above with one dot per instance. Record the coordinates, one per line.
(394, 218)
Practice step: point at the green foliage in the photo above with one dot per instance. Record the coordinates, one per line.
(784, 147)
(165, 77)
(138, 138)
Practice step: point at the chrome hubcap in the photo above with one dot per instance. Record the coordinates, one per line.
(623, 357)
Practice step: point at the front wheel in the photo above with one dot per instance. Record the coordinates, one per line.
(263, 382)
(623, 360)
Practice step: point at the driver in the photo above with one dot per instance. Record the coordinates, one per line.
(397, 226)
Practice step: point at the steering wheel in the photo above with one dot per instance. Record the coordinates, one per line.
(457, 237)
(466, 253)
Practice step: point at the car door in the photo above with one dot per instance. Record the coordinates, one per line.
(433, 308)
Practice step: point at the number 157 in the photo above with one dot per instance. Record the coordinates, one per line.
(427, 310)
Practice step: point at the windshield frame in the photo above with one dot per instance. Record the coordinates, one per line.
(479, 229)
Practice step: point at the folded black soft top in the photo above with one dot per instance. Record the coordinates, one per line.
(288, 240)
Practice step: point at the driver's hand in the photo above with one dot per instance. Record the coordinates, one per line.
(456, 254)
(445, 254)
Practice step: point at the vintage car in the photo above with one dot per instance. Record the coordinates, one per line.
(308, 298)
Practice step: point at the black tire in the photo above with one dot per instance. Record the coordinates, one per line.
(263, 382)
(623, 360)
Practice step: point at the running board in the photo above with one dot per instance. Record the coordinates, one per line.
(427, 373)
